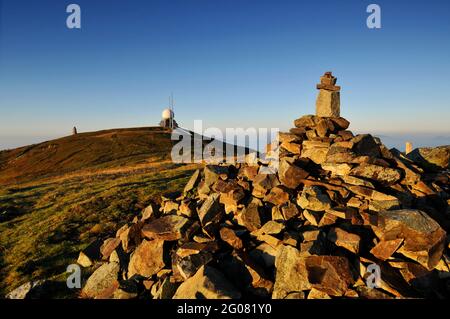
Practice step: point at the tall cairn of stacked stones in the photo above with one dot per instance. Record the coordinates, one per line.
(328, 101)
(338, 205)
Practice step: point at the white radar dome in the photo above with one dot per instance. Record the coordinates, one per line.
(167, 114)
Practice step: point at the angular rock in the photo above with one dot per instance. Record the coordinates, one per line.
(313, 217)
(386, 248)
(193, 182)
(166, 290)
(371, 194)
(415, 275)
(103, 282)
(131, 237)
(299, 131)
(290, 175)
(306, 121)
(311, 135)
(91, 253)
(291, 273)
(147, 259)
(288, 138)
(317, 294)
(315, 150)
(329, 274)
(339, 213)
(336, 169)
(340, 122)
(291, 147)
(289, 210)
(26, 290)
(356, 181)
(170, 227)
(229, 236)
(214, 172)
(339, 155)
(309, 248)
(207, 283)
(127, 290)
(424, 239)
(312, 198)
(344, 239)
(187, 208)
(250, 217)
(324, 127)
(191, 256)
(170, 207)
(210, 211)
(328, 103)
(342, 144)
(420, 189)
(249, 172)
(310, 235)
(271, 228)
(411, 176)
(203, 190)
(231, 193)
(346, 135)
(365, 292)
(108, 246)
(365, 144)
(149, 212)
(431, 157)
(327, 220)
(264, 183)
(269, 239)
(277, 196)
(377, 173)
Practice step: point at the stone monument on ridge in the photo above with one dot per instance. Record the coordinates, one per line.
(74, 131)
(328, 101)
(408, 148)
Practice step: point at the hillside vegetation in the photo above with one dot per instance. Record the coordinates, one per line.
(93, 150)
(58, 196)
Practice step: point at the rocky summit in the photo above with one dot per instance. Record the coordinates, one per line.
(343, 217)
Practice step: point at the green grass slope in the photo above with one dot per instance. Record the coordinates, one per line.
(57, 197)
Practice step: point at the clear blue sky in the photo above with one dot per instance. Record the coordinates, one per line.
(230, 63)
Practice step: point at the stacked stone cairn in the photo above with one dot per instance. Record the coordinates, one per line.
(343, 217)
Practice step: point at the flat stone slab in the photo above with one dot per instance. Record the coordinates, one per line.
(168, 228)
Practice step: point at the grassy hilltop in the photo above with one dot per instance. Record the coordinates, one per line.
(58, 196)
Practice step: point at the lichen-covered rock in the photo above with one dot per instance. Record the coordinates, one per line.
(147, 259)
(423, 238)
(207, 283)
(170, 227)
(312, 198)
(431, 157)
(377, 173)
(103, 282)
(291, 273)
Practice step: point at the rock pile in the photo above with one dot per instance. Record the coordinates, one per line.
(338, 206)
(432, 157)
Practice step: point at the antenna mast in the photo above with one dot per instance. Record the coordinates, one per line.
(171, 109)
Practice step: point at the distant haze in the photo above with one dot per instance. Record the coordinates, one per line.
(390, 140)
